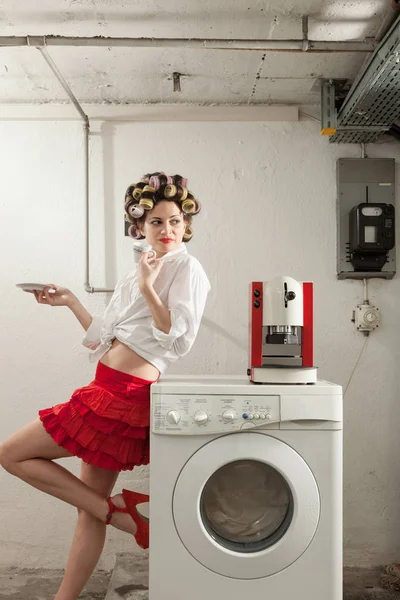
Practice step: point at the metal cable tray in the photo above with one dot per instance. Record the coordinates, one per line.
(373, 102)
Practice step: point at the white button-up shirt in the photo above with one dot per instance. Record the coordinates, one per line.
(181, 285)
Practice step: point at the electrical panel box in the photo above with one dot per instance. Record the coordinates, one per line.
(366, 218)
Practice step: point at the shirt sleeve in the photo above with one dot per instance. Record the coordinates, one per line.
(91, 339)
(186, 302)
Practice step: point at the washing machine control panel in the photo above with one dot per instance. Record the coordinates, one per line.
(204, 414)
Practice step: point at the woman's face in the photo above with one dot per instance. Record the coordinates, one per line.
(164, 227)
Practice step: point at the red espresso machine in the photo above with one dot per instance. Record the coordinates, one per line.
(281, 332)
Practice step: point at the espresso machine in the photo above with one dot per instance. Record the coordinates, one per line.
(281, 332)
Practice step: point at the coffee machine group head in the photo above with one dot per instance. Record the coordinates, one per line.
(281, 332)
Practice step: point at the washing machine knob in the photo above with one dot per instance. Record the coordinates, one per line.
(201, 417)
(173, 417)
(228, 415)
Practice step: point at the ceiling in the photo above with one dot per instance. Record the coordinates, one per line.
(144, 75)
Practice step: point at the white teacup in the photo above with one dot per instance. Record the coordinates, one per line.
(139, 248)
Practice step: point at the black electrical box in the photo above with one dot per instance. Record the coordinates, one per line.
(371, 235)
(366, 218)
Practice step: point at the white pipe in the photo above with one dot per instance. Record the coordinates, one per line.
(86, 131)
(365, 282)
(63, 82)
(205, 44)
(88, 287)
(142, 113)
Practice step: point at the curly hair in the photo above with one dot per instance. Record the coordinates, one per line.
(142, 197)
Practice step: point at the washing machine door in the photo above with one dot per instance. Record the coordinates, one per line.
(246, 505)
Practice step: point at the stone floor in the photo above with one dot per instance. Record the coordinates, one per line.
(363, 584)
(126, 584)
(33, 584)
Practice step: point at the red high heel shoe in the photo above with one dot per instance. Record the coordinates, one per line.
(132, 499)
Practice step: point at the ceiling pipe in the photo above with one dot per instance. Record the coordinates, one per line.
(304, 23)
(86, 132)
(64, 84)
(303, 45)
(390, 17)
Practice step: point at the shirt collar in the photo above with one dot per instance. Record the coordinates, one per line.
(181, 250)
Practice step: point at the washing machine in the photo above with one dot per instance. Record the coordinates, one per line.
(245, 490)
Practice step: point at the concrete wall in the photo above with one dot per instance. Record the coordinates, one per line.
(268, 193)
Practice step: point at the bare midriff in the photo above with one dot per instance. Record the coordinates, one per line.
(122, 358)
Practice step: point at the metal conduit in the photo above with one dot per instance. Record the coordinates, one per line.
(86, 133)
(300, 45)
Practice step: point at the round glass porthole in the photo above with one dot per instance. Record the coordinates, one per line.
(246, 506)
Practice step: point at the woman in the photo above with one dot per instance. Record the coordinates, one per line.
(152, 319)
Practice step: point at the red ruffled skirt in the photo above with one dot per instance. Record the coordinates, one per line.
(105, 423)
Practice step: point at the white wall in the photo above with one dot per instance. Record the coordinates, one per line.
(268, 193)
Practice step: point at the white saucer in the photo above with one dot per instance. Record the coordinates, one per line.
(30, 287)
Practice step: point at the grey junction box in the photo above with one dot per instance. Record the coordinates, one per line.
(361, 180)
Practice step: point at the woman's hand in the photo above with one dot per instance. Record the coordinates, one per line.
(147, 271)
(58, 296)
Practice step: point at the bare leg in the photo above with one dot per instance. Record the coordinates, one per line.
(90, 534)
(28, 454)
